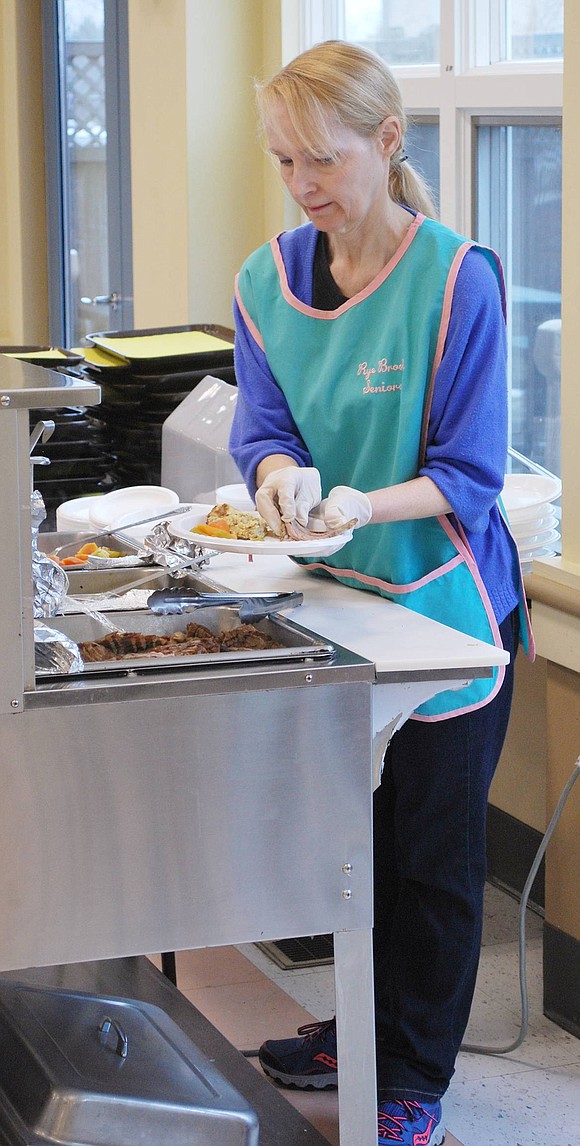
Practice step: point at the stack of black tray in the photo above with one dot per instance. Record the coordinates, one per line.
(139, 393)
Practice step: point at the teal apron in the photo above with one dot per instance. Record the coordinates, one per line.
(362, 376)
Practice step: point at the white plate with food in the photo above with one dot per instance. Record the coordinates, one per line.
(263, 542)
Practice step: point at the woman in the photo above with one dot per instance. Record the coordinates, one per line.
(371, 366)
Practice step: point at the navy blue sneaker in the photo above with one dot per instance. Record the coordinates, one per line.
(410, 1123)
(305, 1062)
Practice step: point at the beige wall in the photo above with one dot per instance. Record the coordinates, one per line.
(226, 188)
(563, 855)
(23, 271)
(159, 161)
(203, 195)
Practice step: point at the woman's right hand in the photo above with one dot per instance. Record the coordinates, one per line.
(288, 494)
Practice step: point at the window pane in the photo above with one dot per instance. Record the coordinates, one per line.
(86, 162)
(422, 147)
(529, 30)
(535, 29)
(519, 214)
(402, 33)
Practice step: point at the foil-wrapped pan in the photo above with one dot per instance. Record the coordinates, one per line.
(50, 582)
(54, 652)
(176, 553)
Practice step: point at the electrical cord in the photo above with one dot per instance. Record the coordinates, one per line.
(474, 1049)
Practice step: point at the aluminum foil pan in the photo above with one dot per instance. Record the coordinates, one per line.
(128, 562)
(54, 652)
(50, 582)
(176, 553)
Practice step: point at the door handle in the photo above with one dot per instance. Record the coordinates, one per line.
(113, 300)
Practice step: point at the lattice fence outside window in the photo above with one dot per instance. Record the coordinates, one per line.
(86, 117)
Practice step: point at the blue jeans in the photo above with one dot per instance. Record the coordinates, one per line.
(429, 875)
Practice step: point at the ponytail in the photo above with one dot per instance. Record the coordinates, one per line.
(409, 189)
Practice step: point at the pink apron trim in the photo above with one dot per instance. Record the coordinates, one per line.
(458, 539)
(464, 555)
(441, 338)
(378, 583)
(329, 315)
(248, 321)
(468, 707)
(531, 649)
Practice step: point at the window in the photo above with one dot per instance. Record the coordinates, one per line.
(482, 82)
(422, 147)
(524, 31)
(519, 207)
(402, 33)
(88, 182)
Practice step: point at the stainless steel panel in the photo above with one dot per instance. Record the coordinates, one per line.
(166, 823)
(16, 649)
(77, 1068)
(27, 387)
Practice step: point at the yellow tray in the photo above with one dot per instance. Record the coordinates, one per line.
(153, 348)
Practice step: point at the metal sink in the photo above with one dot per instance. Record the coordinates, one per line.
(86, 1070)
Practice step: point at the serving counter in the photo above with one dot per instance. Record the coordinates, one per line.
(154, 810)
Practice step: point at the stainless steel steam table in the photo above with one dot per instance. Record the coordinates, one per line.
(168, 810)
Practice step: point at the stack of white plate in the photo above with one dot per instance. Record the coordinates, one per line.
(73, 516)
(534, 522)
(116, 509)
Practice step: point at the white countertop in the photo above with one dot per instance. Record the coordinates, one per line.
(395, 639)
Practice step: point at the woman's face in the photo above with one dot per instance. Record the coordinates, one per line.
(338, 195)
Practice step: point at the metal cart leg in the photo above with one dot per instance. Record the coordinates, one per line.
(355, 1030)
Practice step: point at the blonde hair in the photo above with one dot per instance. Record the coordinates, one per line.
(341, 81)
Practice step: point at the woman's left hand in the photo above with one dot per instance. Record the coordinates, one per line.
(344, 503)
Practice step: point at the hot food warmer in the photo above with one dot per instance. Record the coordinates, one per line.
(162, 808)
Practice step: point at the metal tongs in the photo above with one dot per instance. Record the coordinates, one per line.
(251, 607)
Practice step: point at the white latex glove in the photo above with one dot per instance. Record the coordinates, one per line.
(344, 503)
(288, 494)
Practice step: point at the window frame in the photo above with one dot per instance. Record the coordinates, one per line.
(118, 277)
(455, 92)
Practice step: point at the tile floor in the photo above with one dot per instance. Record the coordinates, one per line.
(529, 1097)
